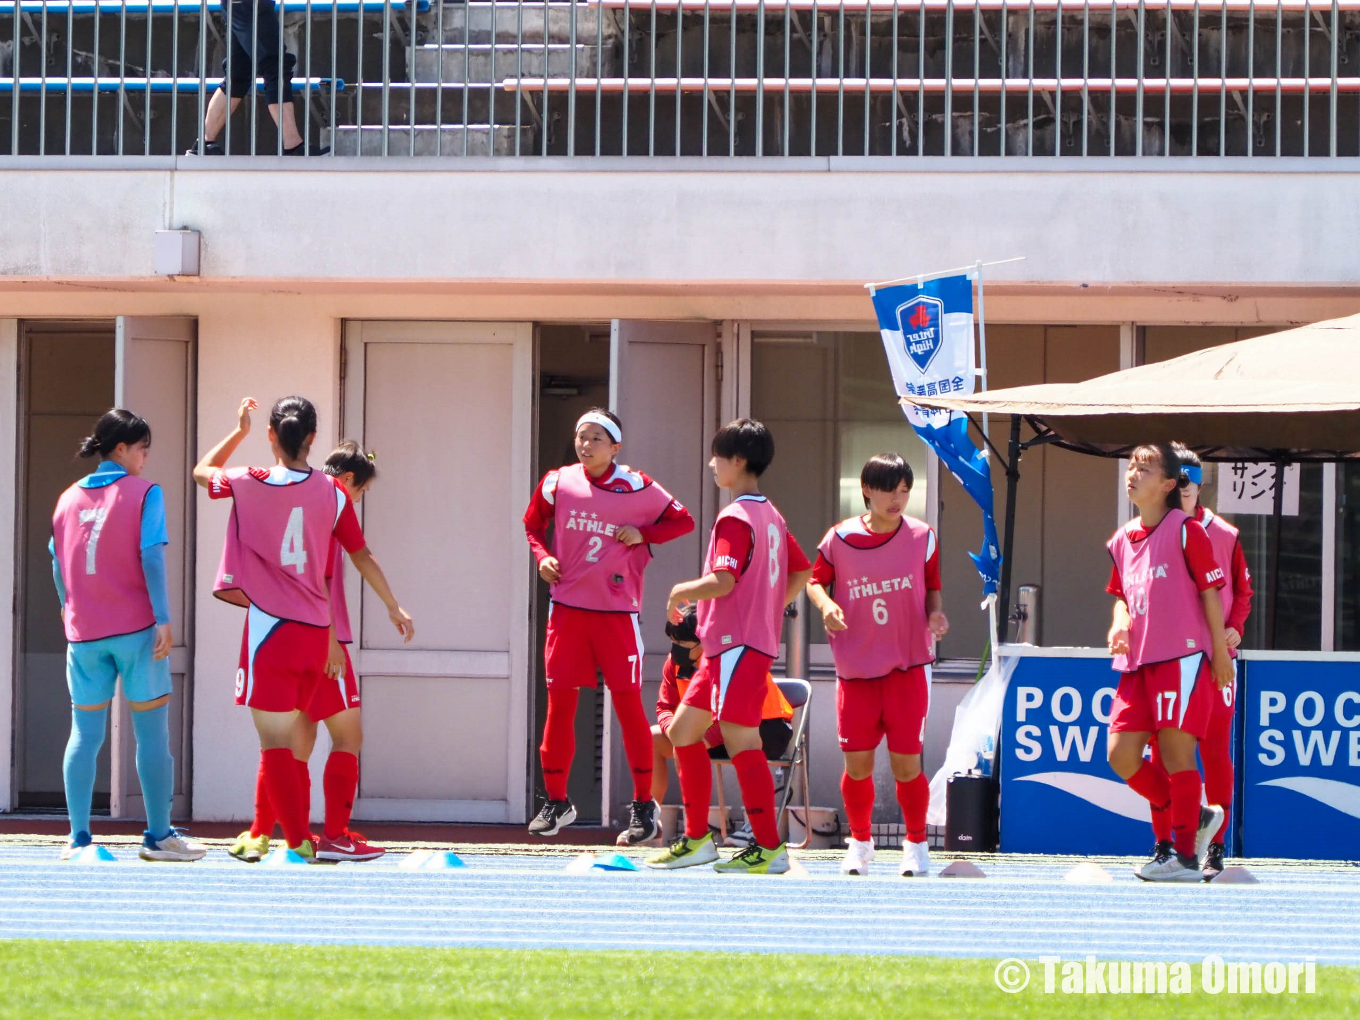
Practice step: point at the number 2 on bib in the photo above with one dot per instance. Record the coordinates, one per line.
(593, 553)
(293, 553)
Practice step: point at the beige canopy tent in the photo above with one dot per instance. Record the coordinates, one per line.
(1288, 396)
(1283, 397)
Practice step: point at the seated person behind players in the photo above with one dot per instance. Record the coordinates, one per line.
(776, 728)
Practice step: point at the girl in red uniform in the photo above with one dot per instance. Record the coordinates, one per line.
(605, 519)
(1169, 644)
(1215, 750)
(335, 701)
(278, 543)
(884, 570)
(754, 568)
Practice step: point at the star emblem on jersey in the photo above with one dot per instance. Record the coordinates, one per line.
(922, 323)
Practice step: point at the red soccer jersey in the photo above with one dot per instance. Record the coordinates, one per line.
(733, 542)
(674, 521)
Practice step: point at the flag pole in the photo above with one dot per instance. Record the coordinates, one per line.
(922, 277)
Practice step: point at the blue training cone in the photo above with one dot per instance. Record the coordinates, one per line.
(93, 854)
(415, 859)
(282, 858)
(445, 860)
(613, 862)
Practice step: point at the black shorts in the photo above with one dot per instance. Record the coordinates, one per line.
(775, 735)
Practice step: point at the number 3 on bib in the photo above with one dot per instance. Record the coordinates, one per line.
(772, 533)
(294, 551)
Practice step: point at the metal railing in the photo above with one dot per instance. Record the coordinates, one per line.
(684, 77)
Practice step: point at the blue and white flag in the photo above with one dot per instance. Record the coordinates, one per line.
(928, 335)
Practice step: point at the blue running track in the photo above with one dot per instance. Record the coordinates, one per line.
(520, 899)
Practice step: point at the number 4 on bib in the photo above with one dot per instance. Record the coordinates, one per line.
(294, 552)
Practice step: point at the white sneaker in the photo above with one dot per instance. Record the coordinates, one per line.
(915, 860)
(858, 854)
(1172, 867)
(174, 847)
(1210, 818)
(743, 837)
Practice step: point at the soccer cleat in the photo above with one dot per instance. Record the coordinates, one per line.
(1162, 846)
(915, 860)
(307, 851)
(176, 846)
(684, 852)
(858, 854)
(644, 821)
(756, 860)
(740, 838)
(1213, 862)
(249, 848)
(78, 842)
(209, 149)
(347, 847)
(556, 815)
(1210, 819)
(1172, 867)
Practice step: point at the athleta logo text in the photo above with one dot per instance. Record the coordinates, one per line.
(863, 587)
(584, 523)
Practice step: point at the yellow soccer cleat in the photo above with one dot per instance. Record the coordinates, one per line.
(684, 853)
(249, 848)
(756, 860)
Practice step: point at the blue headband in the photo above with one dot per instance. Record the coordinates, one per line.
(1193, 472)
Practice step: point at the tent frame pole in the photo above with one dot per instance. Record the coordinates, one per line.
(1276, 533)
(1008, 542)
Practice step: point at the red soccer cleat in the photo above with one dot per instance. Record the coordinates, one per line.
(349, 846)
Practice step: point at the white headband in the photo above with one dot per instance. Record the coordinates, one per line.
(602, 420)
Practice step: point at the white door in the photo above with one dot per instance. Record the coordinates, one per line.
(663, 384)
(447, 411)
(154, 376)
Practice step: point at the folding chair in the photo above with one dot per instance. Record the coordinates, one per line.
(798, 693)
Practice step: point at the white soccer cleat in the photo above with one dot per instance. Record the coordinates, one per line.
(174, 847)
(1171, 867)
(858, 854)
(915, 860)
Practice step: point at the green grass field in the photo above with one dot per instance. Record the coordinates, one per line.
(281, 982)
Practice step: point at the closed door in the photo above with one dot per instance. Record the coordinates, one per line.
(447, 411)
(154, 372)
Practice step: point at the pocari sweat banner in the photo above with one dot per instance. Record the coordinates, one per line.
(927, 332)
(1301, 759)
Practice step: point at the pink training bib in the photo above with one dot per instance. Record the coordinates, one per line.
(278, 539)
(752, 613)
(1223, 537)
(882, 593)
(97, 535)
(1164, 603)
(598, 571)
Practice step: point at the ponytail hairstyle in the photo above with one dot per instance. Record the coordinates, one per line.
(349, 456)
(1165, 454)
(114, 427)
(293, 419)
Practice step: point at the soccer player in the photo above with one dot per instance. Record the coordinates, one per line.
(776, 728)
(1215, 750)
(108, 563)
(274, 560)
(753, 569)
(883, 568)
(605, 518)
(337, 701)
(1168, 642)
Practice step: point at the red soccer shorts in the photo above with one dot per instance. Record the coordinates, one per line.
(334, 695)
(281, 662)
(582, 641)
(1226, 700)
(732, 686)
(1177, 694)
(894, 706)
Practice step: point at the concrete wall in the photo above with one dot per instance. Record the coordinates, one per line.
(1204, 221)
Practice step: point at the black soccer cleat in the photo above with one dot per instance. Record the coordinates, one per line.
(1213, 862)
(556, 815)
(209, 149)
(643, 823)
(1162, 848)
